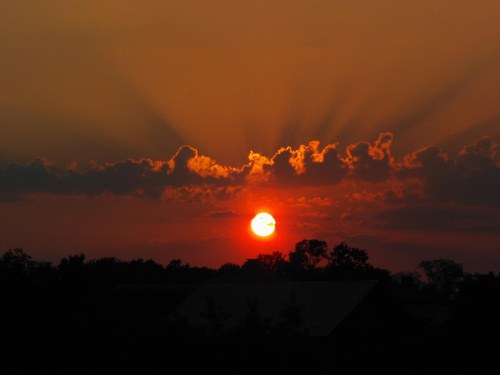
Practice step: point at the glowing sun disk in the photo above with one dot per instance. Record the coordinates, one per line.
(263, 224)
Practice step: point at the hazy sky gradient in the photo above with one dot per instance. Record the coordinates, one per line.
(87, 85)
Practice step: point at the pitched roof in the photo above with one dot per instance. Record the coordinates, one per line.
(323, 304)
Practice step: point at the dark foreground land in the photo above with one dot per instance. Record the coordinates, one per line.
(112, 316)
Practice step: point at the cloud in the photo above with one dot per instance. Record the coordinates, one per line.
(199, 194)
(349, 217)
(306, 166)
(426, 175)
(371, 163)
(144, 177)
(474, 178)
(410, 193)
(188, 167)
(38, 175)
(315, 215)
(307, 225)
(310, 202)
(418, 218)
(433, 218)
(219, 214)
(129, 177)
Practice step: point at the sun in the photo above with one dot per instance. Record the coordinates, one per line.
(263, 224)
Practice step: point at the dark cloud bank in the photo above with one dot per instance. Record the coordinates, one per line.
(473, 178)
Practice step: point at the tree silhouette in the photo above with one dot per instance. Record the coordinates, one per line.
(274, 262)
(253, 324)
(73, 318)
(409, 280)
(293, 319)
(73, 270)
(443, 276)
(347, 257)
(145, 272)
(16, 264)
(349, 262)
(307, 254)
(228, 268)
(216, 316)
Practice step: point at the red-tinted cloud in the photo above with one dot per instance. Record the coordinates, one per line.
(371, 163)
(306, 166)
(428, 174)
(474, 178)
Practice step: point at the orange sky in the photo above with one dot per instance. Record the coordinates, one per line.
(88, 85)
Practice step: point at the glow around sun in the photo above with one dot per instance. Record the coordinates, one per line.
(263, 224)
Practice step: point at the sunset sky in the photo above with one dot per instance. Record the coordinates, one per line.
(158, 129)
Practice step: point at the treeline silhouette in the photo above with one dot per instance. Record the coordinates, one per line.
(310, 260)
(112, 315)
